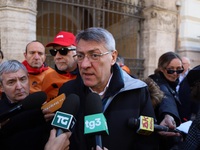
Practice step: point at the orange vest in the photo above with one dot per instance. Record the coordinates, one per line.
(53, 81)
(36, 80)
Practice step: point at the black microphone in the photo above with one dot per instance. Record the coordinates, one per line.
(95, 121)
(64, 119)
(146, 125)
(34, 100)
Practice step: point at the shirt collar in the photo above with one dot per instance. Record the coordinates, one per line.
(101, 94)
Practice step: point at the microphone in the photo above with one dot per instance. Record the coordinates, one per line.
(55, 103)
(34, 100)
(146, 125)
(64, 119)
(95, 122)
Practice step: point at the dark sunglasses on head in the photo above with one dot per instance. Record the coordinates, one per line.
(170, 71)
(63, 51)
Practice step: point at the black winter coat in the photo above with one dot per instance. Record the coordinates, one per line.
(127, 97)
(27, 130)
(170, 102)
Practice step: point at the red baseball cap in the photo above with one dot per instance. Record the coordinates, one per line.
(63, 38)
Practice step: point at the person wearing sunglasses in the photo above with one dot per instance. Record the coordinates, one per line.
(63, 50)
(35, 64)
(167, 78)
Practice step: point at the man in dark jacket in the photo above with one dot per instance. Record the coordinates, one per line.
(123, 97)
(25, 130)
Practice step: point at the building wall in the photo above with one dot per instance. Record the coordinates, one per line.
(158, 32)
(189, 30)
(17, 26)
(166, 28)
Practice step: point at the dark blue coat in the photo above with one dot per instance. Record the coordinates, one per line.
(170, 102)
(126, 98)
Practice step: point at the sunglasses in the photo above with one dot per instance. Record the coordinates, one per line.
(170, 71)
(63, 51)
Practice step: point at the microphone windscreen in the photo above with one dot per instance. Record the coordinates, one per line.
(93, 104)
(133, 122)
(71, 104)
(55, 103)
(34, 100)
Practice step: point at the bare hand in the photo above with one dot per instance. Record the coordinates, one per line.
(58, 143)
(168, 121)
(48, 115)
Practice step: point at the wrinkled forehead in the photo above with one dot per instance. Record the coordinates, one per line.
(86, 46)
(36, 46)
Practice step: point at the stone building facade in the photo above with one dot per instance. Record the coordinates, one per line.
(167, 25)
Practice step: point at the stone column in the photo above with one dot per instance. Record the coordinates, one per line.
(158, 31)
(17, 26)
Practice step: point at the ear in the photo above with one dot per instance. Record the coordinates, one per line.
(25, 54)
(162, 70)
(114, 56)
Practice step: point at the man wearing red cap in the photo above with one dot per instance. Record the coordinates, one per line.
(34, 63)
(64, 54)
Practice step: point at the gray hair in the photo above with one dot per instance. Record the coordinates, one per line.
(98, 35)
(11, 66)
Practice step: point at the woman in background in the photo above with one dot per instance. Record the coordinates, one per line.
(167, 78)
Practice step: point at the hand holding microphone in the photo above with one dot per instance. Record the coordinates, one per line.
(50, 107)
(171, 124)
(146, 126)
(59, 143)
(64, 119)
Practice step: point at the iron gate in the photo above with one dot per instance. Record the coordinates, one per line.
(120, 17)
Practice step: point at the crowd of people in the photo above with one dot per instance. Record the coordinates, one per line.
(89, 63)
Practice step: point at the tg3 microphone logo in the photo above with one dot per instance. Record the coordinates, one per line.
(95, 123)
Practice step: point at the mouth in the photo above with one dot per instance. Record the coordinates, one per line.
(59, 62)
(87, 75)
(20, 94)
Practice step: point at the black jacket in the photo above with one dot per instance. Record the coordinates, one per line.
(170, 102)
(126, 98)
(26, 130)
(189, 106)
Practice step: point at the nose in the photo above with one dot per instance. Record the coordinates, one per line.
(85, 62)
(36, 55)
(18, 85)
(58, 55)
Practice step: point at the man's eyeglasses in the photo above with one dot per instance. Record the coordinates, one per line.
(93, 57)
(170, 71)
(63, 51)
